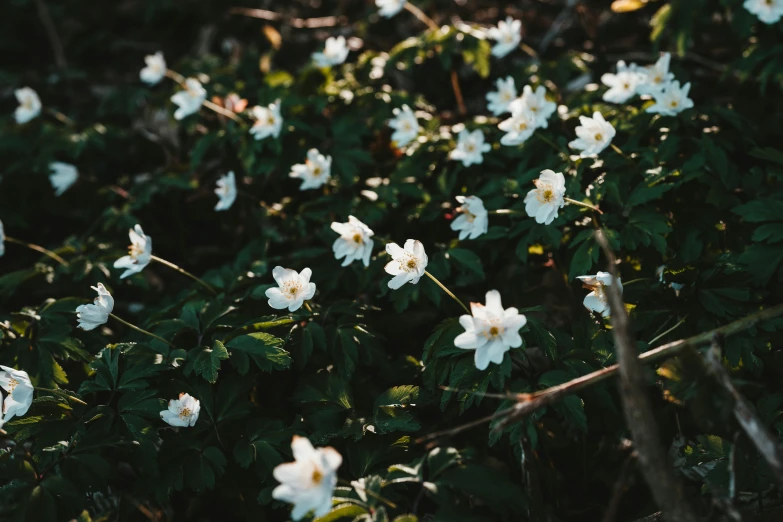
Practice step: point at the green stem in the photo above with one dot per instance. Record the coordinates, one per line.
(418, 13)
(504, 211)
(225, 112)
(369, 493)
(62, 118)
(184, 272)
(670, 330)
(620, 152)
(447, 291)
(586, 205)
(307, 305)
(145, 332)
(550, 142)
(40, 249)
(61, 393)
(257, 327)
(632, 281)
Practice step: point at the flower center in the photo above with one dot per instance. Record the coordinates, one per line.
(13, 383)
(470, 147)
(317, 171)
(291, 288)
(357, 238)
(27, 103)
(626, 85)
(521, 126)
(185, 413)
(673, 103)
(317, 476)
(135, 251)
(598, 136)
(494, 331)
(547, 195)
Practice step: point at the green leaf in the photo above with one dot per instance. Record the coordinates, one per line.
(467, 259)
(265, 349)
(206, 361)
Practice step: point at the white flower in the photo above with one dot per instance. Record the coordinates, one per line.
(2, 240)
(499, 101)
(189, 101)
(672, 100)
(226, 191)
(354, 242)
(309, 481)
(470, 148)
(269, 121)
(656, 76)
(405, 125)
(593, 135)
(407, 265)
(335, 52)
(490, 330)
(155, 69)
(544, 201)
(623, 84)
(536, 102)
(519, 127)
(182, 412)
(62, 176)
(508, 34)
(314, 172)
(90, 316)
(473, 220)
(389, 8)
(294, 288)
(29, 105)
(19, 393)
(139, 253)
(768, 11)
(597, 299)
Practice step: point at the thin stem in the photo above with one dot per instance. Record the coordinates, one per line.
(418, 13)
(59, 116)
(586, 205)
(620, 152)
(447, 291)
(670, 330)
(40, 249)
(225, 112)
(177, 77)
(61, 393)
(134, 327)
(369, 493)
(184, 272)
(257, 327)
(458, 93)
(307, 305)
(503, 211)
(550, 142)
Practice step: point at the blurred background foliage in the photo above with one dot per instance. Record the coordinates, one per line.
(696, 200)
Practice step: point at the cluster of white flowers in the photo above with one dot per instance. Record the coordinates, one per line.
(529, 112)
(655, 80)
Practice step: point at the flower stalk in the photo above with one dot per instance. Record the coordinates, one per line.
(449, 292)
(40, 249)
(418, 13)
(63, 394)
(184, 272)
(581, 204)
(145, 332)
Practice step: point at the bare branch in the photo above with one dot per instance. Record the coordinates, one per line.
(747, 418)
(666, 488)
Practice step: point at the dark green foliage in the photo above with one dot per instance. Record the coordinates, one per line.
(693, 207)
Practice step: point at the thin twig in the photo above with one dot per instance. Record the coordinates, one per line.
(418, 13)
(670, 330)
(747, 418)
(51, 33)
(40, 249)
(299, 23)
(581, 204)
(458, 93)
(666, 488)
